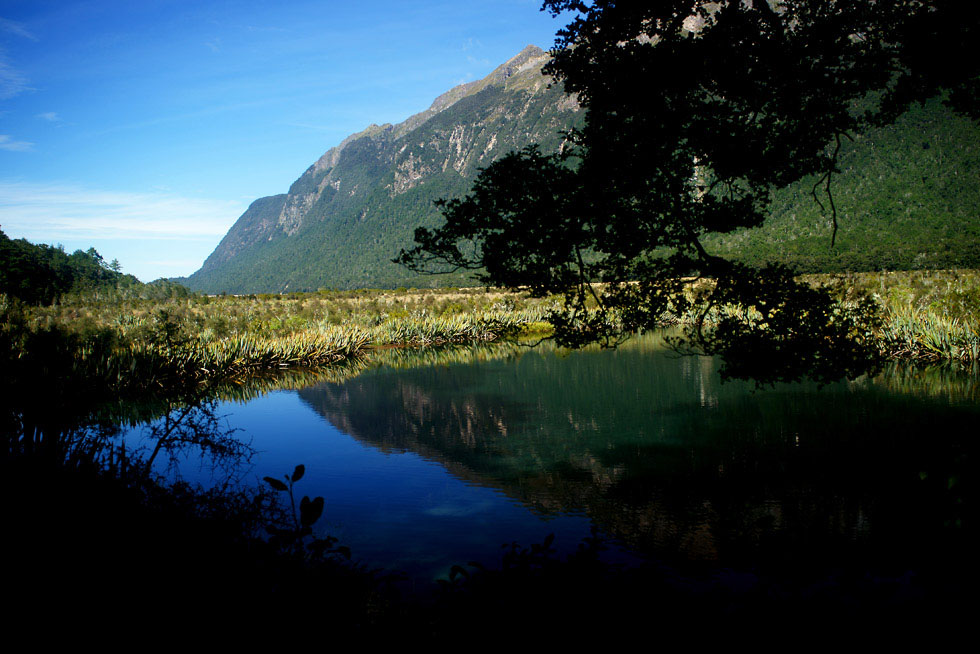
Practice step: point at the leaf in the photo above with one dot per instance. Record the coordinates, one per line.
(298, 473)
(457, 570)
(275, 483)
(309, 511)
(549, 539)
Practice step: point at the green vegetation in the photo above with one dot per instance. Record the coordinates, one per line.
(129, 346)
(906, 199)
(41, 274)
(84, 359)
(342, 222)
(93, 352)
(930, 315)
(70, 368)
(926, 315)
(635, 197)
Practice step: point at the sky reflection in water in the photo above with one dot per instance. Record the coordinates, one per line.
(425, 467)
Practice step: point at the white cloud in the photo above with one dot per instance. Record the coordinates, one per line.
(50, 116)
(180, 264)
(15, 28)
(52, 212)
(12, 81)
(8, 143)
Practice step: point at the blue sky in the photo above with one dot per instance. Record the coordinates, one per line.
(146, 128)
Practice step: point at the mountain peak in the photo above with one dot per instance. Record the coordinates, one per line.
(358, 204)
(531, 58)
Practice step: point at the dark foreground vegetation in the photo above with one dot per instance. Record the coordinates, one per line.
(84, 519)
(85, 513)
(231, 561)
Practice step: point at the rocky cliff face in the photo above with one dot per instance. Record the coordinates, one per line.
(907, 195)
(352, 211)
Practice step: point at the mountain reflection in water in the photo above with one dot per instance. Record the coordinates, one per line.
(660, 454)
(437, 457)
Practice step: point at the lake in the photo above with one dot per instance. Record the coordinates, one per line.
(431, 459)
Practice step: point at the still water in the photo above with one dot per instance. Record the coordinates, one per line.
(428, 463)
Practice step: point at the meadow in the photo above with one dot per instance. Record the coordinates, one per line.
(155, 343)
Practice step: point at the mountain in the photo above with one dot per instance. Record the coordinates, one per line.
(907, 194)
(350, 213)
(907, 197)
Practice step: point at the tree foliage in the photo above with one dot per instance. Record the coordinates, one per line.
(696, 112)
(40, 273)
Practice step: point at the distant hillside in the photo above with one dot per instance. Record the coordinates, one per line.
(350, 213)
(40, 274)
(908, 195)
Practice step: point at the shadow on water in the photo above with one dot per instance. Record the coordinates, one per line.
(873, 476)
(850, 498)
(92, 530)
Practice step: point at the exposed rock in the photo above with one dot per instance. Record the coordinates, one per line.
(464, 129)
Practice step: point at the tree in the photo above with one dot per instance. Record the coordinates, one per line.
(696, 111)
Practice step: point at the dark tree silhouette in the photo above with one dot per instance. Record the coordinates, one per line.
(696, 111)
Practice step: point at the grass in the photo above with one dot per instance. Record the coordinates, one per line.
(138, 345)
(135, 346)
(926, 315)
(82, 351)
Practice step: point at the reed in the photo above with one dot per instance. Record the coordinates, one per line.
(911, 332)
(422, 329)
(926, 316)
(938, 380)
(153, 343)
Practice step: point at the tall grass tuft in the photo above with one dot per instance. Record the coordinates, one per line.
(422, 329)
(913, 333)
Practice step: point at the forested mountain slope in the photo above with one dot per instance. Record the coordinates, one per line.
(908, 195)
(348, 215)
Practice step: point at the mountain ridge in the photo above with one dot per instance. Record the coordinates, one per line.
(379, 170)
(907, 194)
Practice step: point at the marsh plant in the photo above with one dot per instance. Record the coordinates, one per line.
(129, 346)
(294, 531)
